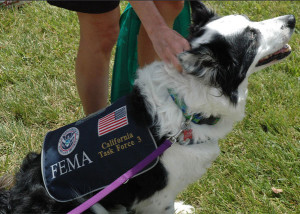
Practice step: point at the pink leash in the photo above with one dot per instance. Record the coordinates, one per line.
(122, 179)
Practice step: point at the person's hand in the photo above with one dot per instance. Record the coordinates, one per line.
(168, 44)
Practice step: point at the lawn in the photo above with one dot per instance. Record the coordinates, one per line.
(38, 46)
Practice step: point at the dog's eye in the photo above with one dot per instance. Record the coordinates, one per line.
(253, 33)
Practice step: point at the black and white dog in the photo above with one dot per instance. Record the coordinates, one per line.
(225, 51)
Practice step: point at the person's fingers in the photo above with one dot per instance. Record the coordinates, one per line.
(168, 44)
(179, 68)
(186, 45)
(175, 62)
(169, 56)
(182, 46)
(182, 43)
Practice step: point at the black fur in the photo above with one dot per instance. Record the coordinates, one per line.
(4, 201)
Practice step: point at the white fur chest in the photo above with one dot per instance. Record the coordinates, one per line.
(186, 164)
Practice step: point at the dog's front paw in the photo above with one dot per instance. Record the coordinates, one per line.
(181, 208)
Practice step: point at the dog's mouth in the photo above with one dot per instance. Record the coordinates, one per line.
(278, 55)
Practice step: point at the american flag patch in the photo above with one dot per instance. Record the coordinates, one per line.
(112, 121)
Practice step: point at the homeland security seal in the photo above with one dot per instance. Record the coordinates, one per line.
(68, 141)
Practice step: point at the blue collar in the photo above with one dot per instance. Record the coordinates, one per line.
(196, 118)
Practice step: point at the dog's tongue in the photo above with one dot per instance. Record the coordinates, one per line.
(286, 48)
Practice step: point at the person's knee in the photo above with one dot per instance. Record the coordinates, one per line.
(108, 37)
(170, 8)
(101, 37)
(175, 6)
(98, 32)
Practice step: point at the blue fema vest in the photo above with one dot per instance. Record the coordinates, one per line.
(85, 156)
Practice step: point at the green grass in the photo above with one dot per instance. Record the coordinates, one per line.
(38, 46)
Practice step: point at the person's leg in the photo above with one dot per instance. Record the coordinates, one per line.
(98, 34)
(169, 10)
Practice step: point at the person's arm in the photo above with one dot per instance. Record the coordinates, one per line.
(166, 42)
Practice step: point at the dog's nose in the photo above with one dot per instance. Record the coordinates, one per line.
(291, 21)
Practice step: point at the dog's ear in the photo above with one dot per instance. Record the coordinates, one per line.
(197, 61)
(200, 16)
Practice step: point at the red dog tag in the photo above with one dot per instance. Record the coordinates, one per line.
(187, 134)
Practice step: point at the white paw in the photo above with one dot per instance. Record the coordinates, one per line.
(181, 208)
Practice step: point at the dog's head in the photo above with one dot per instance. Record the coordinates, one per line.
(226, 50)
